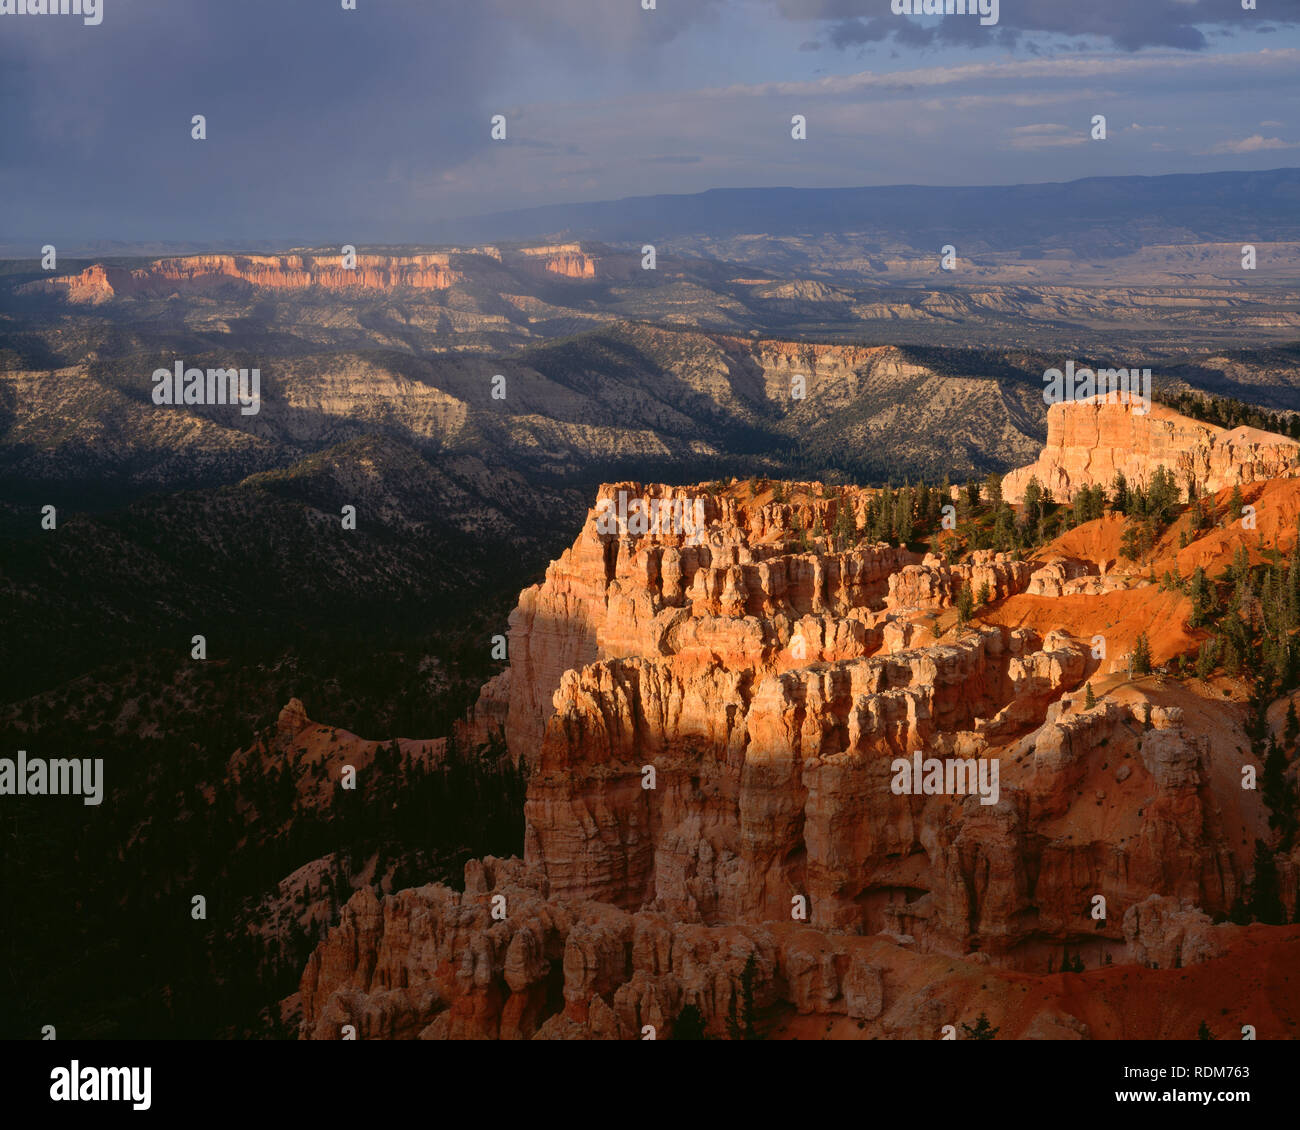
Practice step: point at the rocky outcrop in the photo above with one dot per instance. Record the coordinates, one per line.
(568, 260)
(1062, 576)
(660, 571)
(211, 274)
(935, 585)
(1090, 441)
(199, 273)
(1170, 933)
(714, 717)
(502, 961)
(752, 745)
(434, 964)
(313, 756)
(761, 797)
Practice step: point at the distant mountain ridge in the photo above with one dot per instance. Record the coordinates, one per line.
(1117, 212)
(1105, 212)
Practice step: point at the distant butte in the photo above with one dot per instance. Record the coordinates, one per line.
(198, 274)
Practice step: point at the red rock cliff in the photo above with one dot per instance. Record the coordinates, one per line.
(197, 273)
(771, 686)
(1089, 441)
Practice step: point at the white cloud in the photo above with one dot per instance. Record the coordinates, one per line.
(1046, 135)
(1055, 70)
(1253, 145)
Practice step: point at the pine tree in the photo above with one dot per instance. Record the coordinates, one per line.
(800, 533)
(1265, 897)
(1202, 597)
(1002, 529)
(934, 507)
(1240, 571)
(1089, 699)
(1033, 500)
(745, 1022)
(1204, 1033)
(689, 1024)
(993, 488)
(1120, 485)
(885, 516)
(982, 1029)
(1141, 655)
(903, 523)
(1099, 501)
(1162, 495)
(1131, 542)
(1292, 730)
(1277, 794)
(1079, 506)
(845, 531)
(734, 1030)
(965, 605)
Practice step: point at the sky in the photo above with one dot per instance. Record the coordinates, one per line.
(327, 125)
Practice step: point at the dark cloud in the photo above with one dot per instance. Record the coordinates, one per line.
(359, 126)
(311, 111)
(319, 120)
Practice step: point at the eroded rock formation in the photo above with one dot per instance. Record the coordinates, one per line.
(433, 963)
(728, 716)
(200, 274)
(1090, 441)
(770, 685)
